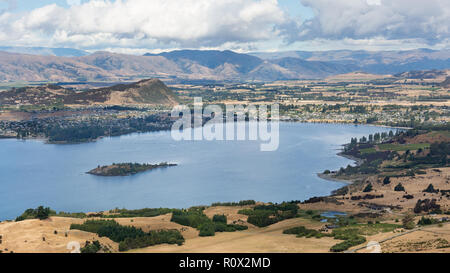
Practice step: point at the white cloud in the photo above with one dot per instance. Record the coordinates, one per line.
(73, 2)
(187, 22)
(241, 25)
(364, 19)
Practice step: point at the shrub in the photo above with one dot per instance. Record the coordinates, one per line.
(301, 231)
(219, 218)
(129, 237)
(427, 205)
(399, 187)
(408, 222)
(348, 244)
(430, 189)
(40, 213)
(368, 188)
(207, 229)
(427, 221)
(93, 247)
(234, 204)
(265, 215)
(350, 236)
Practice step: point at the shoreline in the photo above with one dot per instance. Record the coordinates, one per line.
(329, 177)
(333, 179)
(46, 140)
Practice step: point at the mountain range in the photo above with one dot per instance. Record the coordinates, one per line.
(188, 65)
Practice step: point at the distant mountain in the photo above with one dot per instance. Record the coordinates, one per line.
(213, 65)
(213, 58)
(314, 69)
(379, 62)
(45, 51)
(25, 67)
(123, 66)
(151, 91)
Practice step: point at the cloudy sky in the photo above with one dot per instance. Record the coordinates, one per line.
(138, 26)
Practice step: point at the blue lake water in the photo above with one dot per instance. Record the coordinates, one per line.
(34, 173)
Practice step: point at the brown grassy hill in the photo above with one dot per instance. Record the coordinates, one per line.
(122, 65)
(151, 91)
(25, 67)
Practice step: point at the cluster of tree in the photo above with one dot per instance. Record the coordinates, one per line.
(301, 231)
(194, 217)
(266, 215)
(40, 213)
(75, 134)
(351, 238)
(430, 189)
(367, 167)
(372, 139)
(368, 188)
(408, 222)
(129, 237)
(437, 157)
(123, 169)
(62, 130)
(235, 204)
(399, 187)
(124, 213)
(90, 248)
(424, 221)
(427, 205)
(366, 197)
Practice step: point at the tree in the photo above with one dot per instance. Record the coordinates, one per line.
(42, 213)
(408, 222)
(430, 189)
(220, 218)
(387, 180)
(368, 188)
(399, 187)
(207, 229)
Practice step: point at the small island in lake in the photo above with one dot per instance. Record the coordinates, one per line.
(125, 169)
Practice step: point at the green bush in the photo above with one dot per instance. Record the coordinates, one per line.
(93, 247)
(301, 231)
(207, 229)
(399, 187)
(265, 215)
(129, 237)
(350, 236)
(219, 218)
(427, 221)
(124, 213)
(430, 189)
(368, 188)
(354, 241)
(408, 222)
(234, 204)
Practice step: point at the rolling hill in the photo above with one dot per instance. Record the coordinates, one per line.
(146, 92)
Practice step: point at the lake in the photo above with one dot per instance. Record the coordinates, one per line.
(34, 173)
